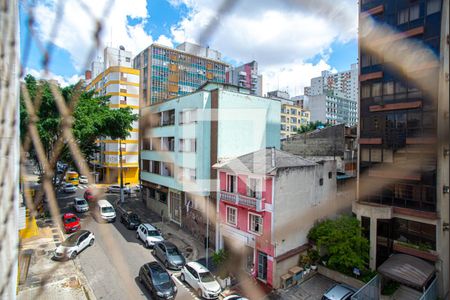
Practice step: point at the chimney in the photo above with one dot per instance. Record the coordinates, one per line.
(87, 75)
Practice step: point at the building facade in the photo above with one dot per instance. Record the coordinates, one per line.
(333, 97)
(168, 73)
(261, 198)
(292, 118)
(121, 82)
(246, 76)
(185, 136)
(404, 168)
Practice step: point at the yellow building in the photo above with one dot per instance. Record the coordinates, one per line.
(121, 82)
(292, 117)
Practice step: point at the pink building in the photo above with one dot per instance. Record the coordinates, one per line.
(267, 202)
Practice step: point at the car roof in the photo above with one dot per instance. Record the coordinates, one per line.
(197, 267)
(338, 292)
(149, 226)
(69, 215)
(155, 266)
(103, 202)
(80, 232)
(79, 199)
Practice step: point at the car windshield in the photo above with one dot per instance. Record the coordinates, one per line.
(68, 185)
(206, 277)
(70, 241)
(161, 278)
(173, 251)
(70, 220)
(83, 177)
(81, 202)
(153, 233)
(107, 209)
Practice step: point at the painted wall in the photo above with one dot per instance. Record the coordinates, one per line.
(246, 124)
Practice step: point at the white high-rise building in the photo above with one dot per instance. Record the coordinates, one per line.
(333, 97)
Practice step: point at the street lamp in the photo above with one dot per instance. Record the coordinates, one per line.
(122, 200)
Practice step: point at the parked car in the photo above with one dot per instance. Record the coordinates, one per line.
(138, 188)
(71, 222)
(169, 254)
(201, 280)
(74, 244)
(153, 276)
(339, 292)
(69, 188)
(80, 205)
(234, 297)
(148, 234)
(116, 189)
(89, 195)
(130, 220)
(83, 179)
(105, 211)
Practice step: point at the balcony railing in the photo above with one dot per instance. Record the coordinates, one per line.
(237, 199)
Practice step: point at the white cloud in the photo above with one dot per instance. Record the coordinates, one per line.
(63, 82)
(280, 36)
(77, 27)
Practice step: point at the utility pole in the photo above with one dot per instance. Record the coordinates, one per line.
(207, 231)
(122, 200)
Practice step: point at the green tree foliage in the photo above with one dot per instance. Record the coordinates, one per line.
(92, 118)
(312, 126)
(344, 243)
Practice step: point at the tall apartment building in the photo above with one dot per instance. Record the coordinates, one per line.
(404, 161)
(118, 80)
(333, 97)
(185, 136)
(246, 76)
(167, 73)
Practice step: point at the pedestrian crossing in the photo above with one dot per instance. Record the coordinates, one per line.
(82, 186)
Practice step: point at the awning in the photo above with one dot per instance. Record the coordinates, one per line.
(408, 270)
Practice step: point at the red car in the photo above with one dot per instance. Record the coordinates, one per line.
(89, 195)
(71, 222)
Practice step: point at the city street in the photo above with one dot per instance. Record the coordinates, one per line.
(112, 264)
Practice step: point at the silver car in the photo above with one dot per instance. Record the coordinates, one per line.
(80, 205)
(69, 188)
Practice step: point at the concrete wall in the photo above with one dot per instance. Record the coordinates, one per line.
(316, 105)
(339, 277)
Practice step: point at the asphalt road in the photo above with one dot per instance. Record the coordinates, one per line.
(112, 264)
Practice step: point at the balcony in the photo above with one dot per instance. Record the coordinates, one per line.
(241, 200)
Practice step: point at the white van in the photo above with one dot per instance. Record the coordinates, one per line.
(106, 211)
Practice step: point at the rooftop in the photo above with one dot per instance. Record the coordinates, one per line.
(264, 161)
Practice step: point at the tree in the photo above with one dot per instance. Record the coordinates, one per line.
(344, 243)
(93, 118)
(311, 126)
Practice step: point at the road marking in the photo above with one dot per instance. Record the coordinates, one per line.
(182, 284)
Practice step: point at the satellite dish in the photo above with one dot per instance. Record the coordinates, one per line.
(121, 47)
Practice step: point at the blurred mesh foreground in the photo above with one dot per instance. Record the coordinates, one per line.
(11, 150)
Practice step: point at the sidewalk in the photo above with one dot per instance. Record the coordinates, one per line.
(42, 278)
(192, 249)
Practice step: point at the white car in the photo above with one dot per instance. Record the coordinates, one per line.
(74, 244)
(105, 211)
(80, 205)
(149, 235)
(83, 179)
(116, 189)
(201, 280)
(69, 188)
(234, 297)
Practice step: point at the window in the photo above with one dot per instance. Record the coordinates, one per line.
(365, 91)
(127, 59)
(408, 14)
(255, 223)
(433, 6)
(330, 175)
(231, 215)
(321, 181)
(162, 197)
(365, 60)
(188, 116)
(187, 145)
(254, 188)
(145, 143)
(388, 88)
(186, 174)
(145, 165)
(376, 89)
(231, 182)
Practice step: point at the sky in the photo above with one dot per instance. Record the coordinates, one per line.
(292, 40)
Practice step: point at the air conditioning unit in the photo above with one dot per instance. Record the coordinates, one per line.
(286, 281)
(297, 274)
